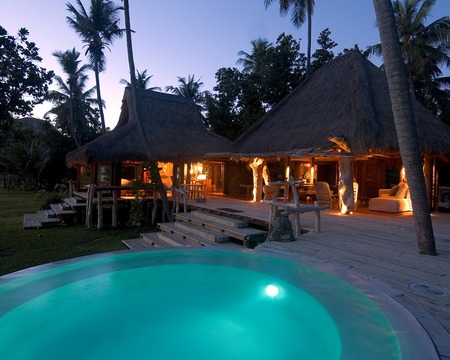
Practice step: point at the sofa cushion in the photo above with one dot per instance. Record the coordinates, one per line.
(390, 204)
(402, 190)
(393, 190)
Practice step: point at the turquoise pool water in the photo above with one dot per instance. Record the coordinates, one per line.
(188, 304)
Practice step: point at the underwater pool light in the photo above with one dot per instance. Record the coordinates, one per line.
(272, 290)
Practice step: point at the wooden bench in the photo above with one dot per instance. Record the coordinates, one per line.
(294, 209)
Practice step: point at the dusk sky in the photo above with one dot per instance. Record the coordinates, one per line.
(180, 37)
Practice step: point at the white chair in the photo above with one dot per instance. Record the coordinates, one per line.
(324, 194)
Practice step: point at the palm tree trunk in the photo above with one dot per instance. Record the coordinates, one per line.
(405, 124)
(159, 183)
(99, 97)
(308, 53)
(71, 120)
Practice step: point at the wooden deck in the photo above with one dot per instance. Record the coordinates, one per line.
(378, 246)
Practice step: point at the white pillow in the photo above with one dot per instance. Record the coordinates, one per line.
(402, 190)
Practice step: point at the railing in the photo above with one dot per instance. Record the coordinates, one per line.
(96, 195)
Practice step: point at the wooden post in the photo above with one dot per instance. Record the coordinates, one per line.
(155, 206)
(114, 209)
(99, 210)
(90, 204)
(295, 221)
(346, 195)
(177, 193)
(185, 201)
(317, 218)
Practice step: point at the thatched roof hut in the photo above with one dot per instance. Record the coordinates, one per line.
(173, 126)
(347, 98)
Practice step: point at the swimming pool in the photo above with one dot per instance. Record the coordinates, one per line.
(199, 304)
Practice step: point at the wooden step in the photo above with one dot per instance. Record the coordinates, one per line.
(172, 238)
(137, 243)
(209, 234)
(223, 220)
(62, 210)
(48, 218)
(170, 227)
(31, 221)
(75, 202)
(247, 234)
(163, 239)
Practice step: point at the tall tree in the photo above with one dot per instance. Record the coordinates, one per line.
(73, 108)
(405, 124)
(23, 83)
(189, 88)
(323, 53)
(302, 10)
(270, 72)
(97, 29)
(236, 105)
(425, 50)
(258, 58)
(283, 72)
(223, 107)
(142, 81)
(273, 71)
(153, 164)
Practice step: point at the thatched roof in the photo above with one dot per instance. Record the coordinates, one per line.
(173, 126)
(347, 98)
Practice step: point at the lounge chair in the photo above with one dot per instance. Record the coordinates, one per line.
(324, 194)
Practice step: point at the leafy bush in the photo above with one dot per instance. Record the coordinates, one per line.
(52, 197)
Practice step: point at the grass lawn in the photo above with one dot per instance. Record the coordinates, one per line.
(20, 249)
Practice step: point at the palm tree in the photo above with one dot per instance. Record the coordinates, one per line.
(153, 164)
(404, 124)
(252, 62)
(424, 47)
(302, 10)
(73, 105)
(142, 81)
(97, 29)
(189, 88)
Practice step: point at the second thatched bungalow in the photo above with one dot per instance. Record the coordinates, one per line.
(337, 122)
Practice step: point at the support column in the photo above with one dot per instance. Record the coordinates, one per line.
(346, 195)
(257, 168)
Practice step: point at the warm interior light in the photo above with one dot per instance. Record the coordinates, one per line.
(403, 174)
(201, 177)
(125, 182)
(311, 177)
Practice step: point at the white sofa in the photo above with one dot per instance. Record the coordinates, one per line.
(388, 202)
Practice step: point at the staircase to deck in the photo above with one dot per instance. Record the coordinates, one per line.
(200, 228)
(58, 214)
